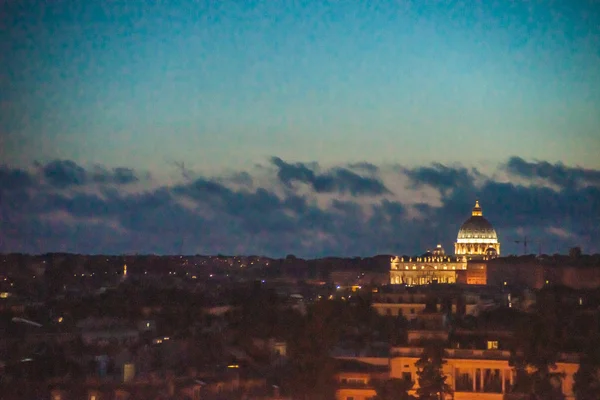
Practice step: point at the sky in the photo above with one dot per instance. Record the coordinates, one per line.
(307, 127)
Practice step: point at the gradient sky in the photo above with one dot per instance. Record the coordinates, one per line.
(224, 85)
(219, 82)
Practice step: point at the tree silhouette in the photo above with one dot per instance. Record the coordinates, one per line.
(536, 350)
(575, 252)
(432, 381)
(587, 378)
(393, 389)
(311, 370)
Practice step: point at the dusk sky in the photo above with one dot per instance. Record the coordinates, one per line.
(307, 127)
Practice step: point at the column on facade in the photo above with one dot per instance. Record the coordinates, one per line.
(481, 379)
(503, 385)
(512, 377)
(474, 375)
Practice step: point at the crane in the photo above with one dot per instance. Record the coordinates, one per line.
(526, 241)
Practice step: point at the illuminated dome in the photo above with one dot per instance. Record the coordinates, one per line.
(477, 237)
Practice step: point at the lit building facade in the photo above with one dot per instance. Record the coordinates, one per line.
(476, 243)
(432, 267)
(471, 374)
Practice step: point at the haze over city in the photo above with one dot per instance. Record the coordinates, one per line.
(306, 128)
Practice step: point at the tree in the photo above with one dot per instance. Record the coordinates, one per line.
(587, 378)
(432, 381)
(431, 304)
(311, 370)
(393, 389)
(536, 350)
(575, 252)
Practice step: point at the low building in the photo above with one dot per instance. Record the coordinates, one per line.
(472, 374)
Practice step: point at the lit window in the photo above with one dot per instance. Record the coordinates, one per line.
(492, 345)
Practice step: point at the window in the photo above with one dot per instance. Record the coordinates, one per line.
(492, 381)
(350, 398)
(492, 345)
(463, 380)
(407, 376)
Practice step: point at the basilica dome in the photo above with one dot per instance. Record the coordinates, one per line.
(477, 236)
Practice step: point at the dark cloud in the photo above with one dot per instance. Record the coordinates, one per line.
(287, 173)
(254, 211)
(118, 176)
(517, 211)
(340, 180)
(14, 178)
(558, 174)
(207, 216)
(440, 176)
(241, 178)
(365, 166)
(63, 174)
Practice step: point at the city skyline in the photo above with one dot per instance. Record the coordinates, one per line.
(312, 128)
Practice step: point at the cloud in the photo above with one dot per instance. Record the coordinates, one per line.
(66, 173)
(558, 174)
(560, 232)
(440, 176)
(340, 180)
(282, 211)
(14, 178)
(118, 176)
(365, 166)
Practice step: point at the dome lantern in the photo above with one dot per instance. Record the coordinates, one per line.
(477, 210)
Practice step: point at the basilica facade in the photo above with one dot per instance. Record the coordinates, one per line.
(476, 243)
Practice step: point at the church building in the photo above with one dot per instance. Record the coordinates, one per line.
(476, 243)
